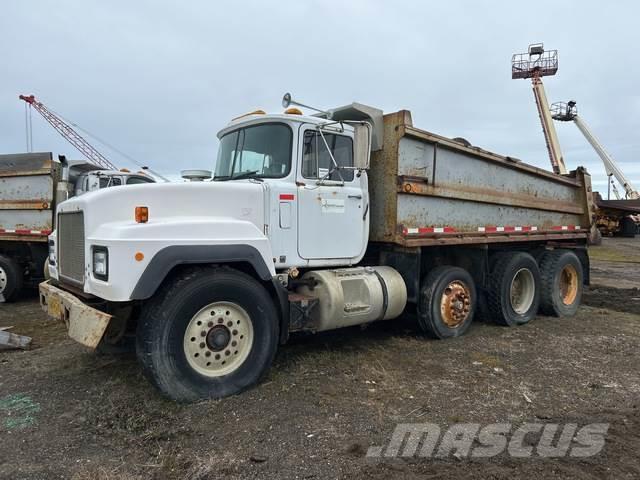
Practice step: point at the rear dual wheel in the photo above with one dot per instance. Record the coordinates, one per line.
(562, 283)
(513, 288)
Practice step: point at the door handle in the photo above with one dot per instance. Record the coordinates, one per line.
(358, 197)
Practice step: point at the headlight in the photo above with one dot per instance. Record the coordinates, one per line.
(101, 263)
(52, 252)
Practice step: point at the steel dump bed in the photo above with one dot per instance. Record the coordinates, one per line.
(27, 193)
(430, 190)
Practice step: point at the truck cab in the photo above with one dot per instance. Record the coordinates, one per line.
(98, 179)
(316, 200)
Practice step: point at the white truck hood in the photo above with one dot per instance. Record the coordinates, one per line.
(187, 214)
(171, 201)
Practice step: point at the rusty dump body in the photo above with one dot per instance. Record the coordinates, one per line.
(27, 196)
(430, 190)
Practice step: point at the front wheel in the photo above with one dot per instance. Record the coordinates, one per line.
(209, 334)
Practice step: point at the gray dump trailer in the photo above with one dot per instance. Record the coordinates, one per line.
(28, 184)
(31, 186)
(440, 201)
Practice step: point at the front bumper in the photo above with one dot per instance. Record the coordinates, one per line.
(85, 324)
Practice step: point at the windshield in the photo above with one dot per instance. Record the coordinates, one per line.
(262, 151)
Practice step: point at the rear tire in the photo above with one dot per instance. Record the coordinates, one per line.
(513, 290)
(11, 278)
(447, 302)
(209, 333)
(562, 283)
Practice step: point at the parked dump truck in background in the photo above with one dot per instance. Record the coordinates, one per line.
(31, 185)
(313, 223)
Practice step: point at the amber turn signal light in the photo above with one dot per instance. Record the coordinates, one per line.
(142, 214)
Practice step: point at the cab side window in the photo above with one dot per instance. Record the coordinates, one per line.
(110, 182)
(138, 180)
(316, 161)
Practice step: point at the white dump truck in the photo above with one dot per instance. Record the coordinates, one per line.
(313, 223)
(31, 185)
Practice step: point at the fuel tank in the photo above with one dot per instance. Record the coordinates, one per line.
(353, 296)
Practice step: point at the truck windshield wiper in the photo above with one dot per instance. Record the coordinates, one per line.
(236, 176)
(241, 175)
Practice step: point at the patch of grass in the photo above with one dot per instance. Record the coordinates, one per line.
(19, 409)
(608, 254)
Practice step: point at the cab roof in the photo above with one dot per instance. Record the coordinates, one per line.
(290, 118)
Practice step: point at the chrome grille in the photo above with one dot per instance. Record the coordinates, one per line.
(71, 246)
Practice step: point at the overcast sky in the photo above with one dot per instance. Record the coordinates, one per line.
(158, 79)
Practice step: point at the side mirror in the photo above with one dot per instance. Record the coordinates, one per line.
(362, 145)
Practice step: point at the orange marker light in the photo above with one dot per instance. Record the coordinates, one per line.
(139, 256)
(142, 214)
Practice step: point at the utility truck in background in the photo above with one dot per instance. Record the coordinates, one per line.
(621, 216)
(312, 223)
(31, 186)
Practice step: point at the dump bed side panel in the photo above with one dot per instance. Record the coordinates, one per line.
(27, 188)
(430, 189)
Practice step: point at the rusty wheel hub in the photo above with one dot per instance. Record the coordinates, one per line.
(455, 304)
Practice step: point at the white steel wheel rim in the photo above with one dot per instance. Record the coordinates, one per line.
(522, 291)
(3, 279)
(218, 339)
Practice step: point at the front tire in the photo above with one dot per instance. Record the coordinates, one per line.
(513, 290)
(208, 334)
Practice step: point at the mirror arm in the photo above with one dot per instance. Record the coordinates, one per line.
(335, 168)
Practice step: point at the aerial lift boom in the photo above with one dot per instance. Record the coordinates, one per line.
(566, 112)
(535, 64)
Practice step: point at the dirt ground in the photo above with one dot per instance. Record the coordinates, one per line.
(68, 413)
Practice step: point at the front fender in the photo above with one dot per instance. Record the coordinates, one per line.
(168, 258)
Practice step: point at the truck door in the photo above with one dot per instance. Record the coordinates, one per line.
(331, 202)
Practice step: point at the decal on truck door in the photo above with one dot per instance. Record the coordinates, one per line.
(330, 205)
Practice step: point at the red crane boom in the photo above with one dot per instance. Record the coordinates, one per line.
(69, 133)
